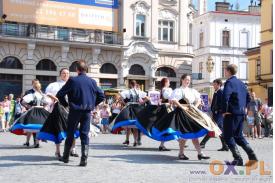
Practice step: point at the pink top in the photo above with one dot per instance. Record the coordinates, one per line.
(6, 106)
(104, 113)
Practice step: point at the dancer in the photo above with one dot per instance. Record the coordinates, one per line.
(216, 109)
(32, 121)
(55, 127)
(83, 95)
(165, 94)
(127, 117)
(234, 102)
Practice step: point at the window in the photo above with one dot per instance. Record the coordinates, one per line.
(136, 70)
(107, 83)
(244, 40)
(11, 29)
(225, 38)
(72, 68)
(165, 72)
(108, 69)
(63, 34)
(224, 65)
(200, 67)
(10, 83)
(46, 65)
(243, 70)
(11, 63)
(140, 25)
(201, 40)
(190, 33)
(258, 68)
(166, 30)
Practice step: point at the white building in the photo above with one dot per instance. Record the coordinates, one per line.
(152, 41)
(220, 38)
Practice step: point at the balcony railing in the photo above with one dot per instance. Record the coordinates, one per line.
(33, 31)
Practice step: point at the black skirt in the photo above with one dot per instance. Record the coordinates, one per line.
(127, 116)
(55, 126)
(30, 121)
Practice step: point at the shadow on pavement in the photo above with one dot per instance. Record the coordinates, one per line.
(150, 159)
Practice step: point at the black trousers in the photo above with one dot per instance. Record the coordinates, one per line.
(75, 117)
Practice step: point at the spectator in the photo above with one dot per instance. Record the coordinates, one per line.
(251, 121)
(12, 108)
(255, 106)
(19, 109)
(267, 114)
(6, 107)
(105, 114)
(1, 116)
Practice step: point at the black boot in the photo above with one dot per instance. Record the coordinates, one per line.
(84, 155)
(224, 145)
(66, 154)
(251, 155)
(204, 140)
(238, 161)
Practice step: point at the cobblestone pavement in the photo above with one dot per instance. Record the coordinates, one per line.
(109, 161)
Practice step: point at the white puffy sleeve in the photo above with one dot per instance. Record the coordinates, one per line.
(176, 94)
(28, 98)
(142, 94)
(49, 89)
(166, 93)
(125, 94)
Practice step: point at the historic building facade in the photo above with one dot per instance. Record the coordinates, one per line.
(153, 41)
(261, 57)
(220, 38)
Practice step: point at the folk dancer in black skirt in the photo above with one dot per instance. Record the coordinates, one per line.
(190, 118)
(32, 120)
(55, 126)
(165, 94)
(134, 103)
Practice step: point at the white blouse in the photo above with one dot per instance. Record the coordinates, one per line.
(53, 88)
(166, 93)
(191, 95)
(41, 98)
(134, 92)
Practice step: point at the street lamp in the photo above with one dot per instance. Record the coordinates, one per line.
(210, 64)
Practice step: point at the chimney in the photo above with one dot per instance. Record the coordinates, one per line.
(202, 6)
(222, 6)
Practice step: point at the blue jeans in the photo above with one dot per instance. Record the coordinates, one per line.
(6, 116)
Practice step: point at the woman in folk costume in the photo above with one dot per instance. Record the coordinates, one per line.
(158, 107)
(32, 120)
(127, 117)
(188, 119)
(54, 128)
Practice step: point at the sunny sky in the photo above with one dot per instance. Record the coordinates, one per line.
(243, 3)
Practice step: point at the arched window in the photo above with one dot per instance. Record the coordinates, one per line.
(72, 68)
(165, 72)
(137, 70)
(11, 63)
(108, 69)
(46, 65)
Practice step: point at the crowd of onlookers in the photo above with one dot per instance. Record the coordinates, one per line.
(258, 124)
(10, 110)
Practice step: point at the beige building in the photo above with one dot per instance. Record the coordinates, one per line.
(153, 41)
